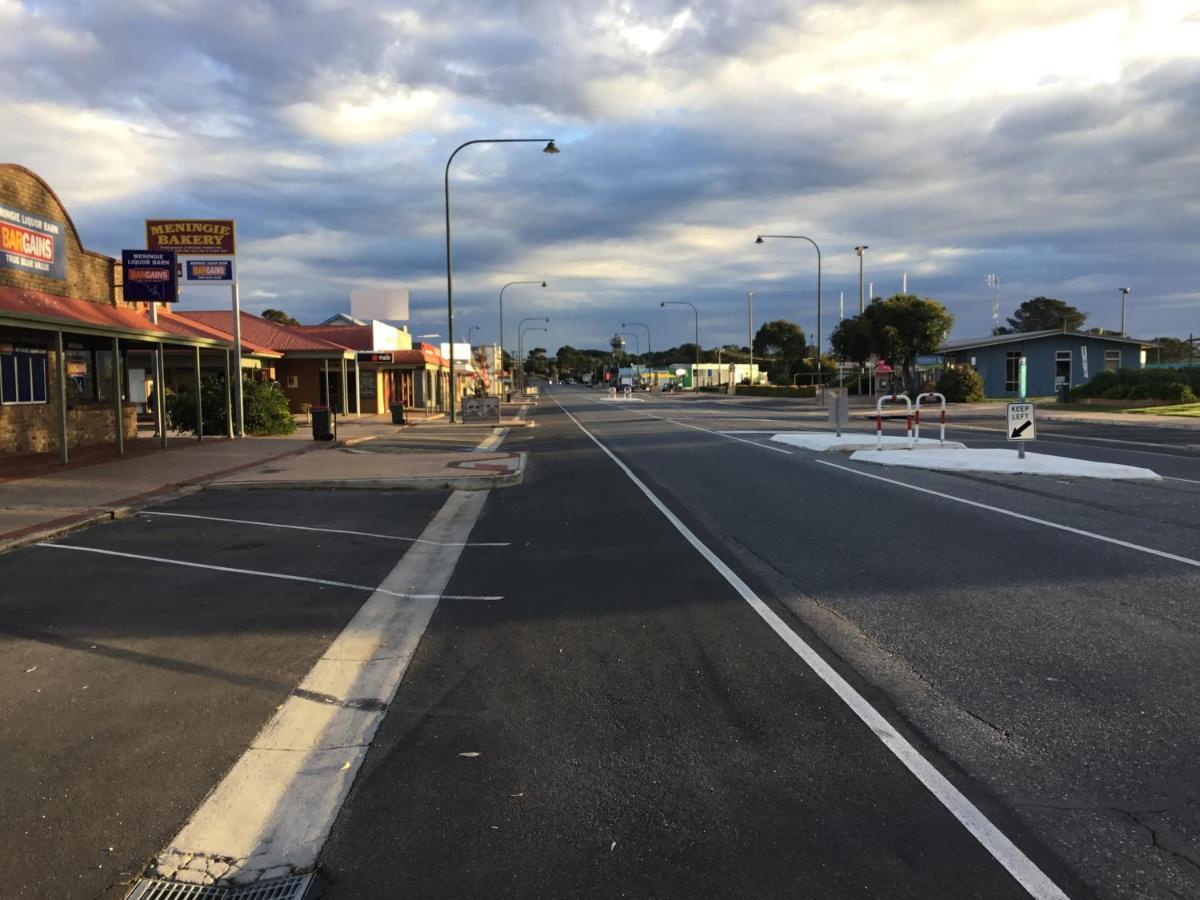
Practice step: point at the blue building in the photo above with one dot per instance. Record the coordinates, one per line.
(1053, 359)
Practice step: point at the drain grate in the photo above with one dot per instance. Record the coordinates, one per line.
(293, 887)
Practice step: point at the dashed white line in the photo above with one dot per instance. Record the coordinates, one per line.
(730, 437)
(1023, 869)
(283, 576)
(1187, 561)
(346, 531)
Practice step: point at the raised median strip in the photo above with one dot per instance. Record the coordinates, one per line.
(829, 442)
(1004, 462)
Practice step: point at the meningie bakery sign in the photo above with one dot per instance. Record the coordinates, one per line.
(192, 237)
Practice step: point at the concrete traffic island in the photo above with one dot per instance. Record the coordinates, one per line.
(827, 441)
(1003, 462)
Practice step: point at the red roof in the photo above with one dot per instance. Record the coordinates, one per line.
(353, 337)
(68, 311)
(264, 332)
(184, 324)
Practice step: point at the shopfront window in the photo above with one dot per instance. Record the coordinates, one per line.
(104, 375)
(80, 382)
(23, 375)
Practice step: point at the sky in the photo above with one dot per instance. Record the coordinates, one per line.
(1054, 144)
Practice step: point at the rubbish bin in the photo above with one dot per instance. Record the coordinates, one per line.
(324, 423)
(1064, 393)
(397, 413)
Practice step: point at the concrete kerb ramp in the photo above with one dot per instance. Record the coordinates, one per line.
(826, 442)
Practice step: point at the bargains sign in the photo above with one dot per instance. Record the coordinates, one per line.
(30, 243)
(192, 237)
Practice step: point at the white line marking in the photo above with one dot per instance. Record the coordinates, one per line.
(492, 441)
(1075, 438)
(728, 437)
(272, 812)
(279, 575)
(1173, 478)
(1023, 869)
(1016, 515)
(382, 537)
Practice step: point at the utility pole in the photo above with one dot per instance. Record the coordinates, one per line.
(860, 249)
(993, 281)
(1124, 293)
(750, 332)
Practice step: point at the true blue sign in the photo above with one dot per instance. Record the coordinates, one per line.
(150, 276)
(210, 270)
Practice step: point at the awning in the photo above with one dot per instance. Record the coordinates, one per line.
(48, 312)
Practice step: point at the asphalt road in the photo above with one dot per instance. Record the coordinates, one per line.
(131, 686)
(1057, 670)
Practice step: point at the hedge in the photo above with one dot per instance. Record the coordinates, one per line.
(1166, 385)
(761, 390)
(265, 408)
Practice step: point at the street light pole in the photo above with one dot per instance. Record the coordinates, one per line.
(637, 343)
(521, 343)
(502, 290)
(800, 237)
(1124, 293)
(649, 349)
(859, 250)
(750, 331)
(469, 330)
(696, 373)
(549, 148)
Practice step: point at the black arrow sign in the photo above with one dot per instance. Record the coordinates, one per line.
(1020, 428)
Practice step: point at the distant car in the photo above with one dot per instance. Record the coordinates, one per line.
(570, 381)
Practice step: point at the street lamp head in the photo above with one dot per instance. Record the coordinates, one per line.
(543, 284)
(759, 240)
(664, 303)
(550, 148)
(1124, 290)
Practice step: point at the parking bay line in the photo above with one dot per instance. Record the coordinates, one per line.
(272, 812)
(1187, 561)
(278, 575)
(1023, 869)
(370, 534)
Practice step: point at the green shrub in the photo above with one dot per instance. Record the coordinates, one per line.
(761, 390)
(1166, 385)
(265, 409)
(961, 385)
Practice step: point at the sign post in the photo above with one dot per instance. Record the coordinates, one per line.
(207, 238)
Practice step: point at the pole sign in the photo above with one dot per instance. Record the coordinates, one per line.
(150, 276)
(32, 243)
(1021, 425)
(192, 237)
(210, 270)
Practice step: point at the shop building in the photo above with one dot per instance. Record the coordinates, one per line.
(71, 348)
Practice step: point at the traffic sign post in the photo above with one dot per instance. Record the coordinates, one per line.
(1021, 425)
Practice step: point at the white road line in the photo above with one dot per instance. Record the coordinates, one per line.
(1023, 869)
(728, 437)
(1173, 478)
(1075, 438)
(370, 534)
(492, 441)
(272, 812)
(1187, 561)
(278, 575)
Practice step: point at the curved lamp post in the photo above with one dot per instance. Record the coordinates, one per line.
(521, 342)
(1124, 293)
(799, 237)
(521, 345)
(696, 373)
(502, 290)
(637, 343)
(549, 148)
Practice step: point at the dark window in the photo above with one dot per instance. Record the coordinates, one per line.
(1012, 372)
(1112, 360)
(23, 376)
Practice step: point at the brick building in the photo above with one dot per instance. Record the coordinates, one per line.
(67, 337)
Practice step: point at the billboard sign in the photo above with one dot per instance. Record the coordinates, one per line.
(150, 276)
(210, 270)
(192, 237)
(31, 243)
(370, 303)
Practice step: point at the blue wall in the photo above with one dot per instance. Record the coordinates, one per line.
(1040, 361)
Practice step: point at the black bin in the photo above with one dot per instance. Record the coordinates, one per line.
(397, 413)
(1064, 394)
(324, 423)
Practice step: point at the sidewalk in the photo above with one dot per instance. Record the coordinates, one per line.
(38, 501)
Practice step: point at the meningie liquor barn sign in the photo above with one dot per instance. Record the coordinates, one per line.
(192, 237)
(32, 243)
(149, 275)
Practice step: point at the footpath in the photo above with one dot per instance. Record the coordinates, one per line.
(40, 501)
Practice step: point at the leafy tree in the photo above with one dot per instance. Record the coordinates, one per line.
(782, 343)
(1173, 350)
(265, 408)
(278, 315)
(1044, 314)
(905, 326)
(851, 340)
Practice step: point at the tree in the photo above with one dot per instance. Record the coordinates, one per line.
(278, 315)
(898, 329)
(851, 340)
(1173, 350)
(1046, 313)
(781, 342)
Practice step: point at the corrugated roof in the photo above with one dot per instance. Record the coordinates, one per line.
(353, 337)
(995, 339)
(37, 307)
(182, 323)
(264, 332)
